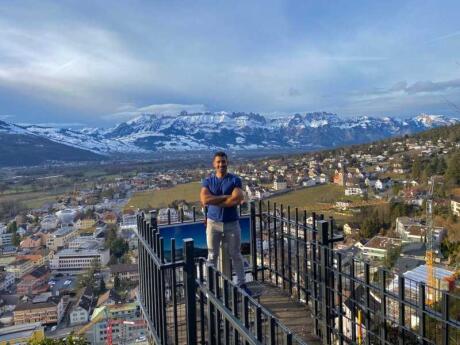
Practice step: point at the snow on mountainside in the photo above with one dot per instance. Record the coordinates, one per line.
(202, 131)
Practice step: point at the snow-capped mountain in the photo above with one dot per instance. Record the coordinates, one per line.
(238, 131)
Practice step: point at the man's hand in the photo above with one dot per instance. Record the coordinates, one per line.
(235, 199)
(207, 198)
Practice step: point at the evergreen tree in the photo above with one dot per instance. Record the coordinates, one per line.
(453, 169)
(416, 168)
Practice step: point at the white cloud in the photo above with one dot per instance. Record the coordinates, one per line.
(83, 68)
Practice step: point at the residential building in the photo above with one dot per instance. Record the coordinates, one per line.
(79, 259)
(43, 308)
(343, 205)
(33, 241)
(377, 247)
(6, 280)
(108, 298)
(6, 239)
(49, 222)
(279, 184)
(110, 218)
(455, 206)
(81, 312)
(339, 178)
(34, 282)
(382, 184)
(351, 228)
(166, 215)
(125, 272)
(61, 237)
(22, 334)
(96, 333)
(85, 223)
(19, 267)
(417, 233)
(402, 223)
(355, 190)
(129, 222)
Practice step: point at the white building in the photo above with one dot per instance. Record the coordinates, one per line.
(66, 216)
(354, 190)
(309, 183)
(6, 239)
(455, 206)
(163, 215)
(61, 237)
(129, 222)
(279, 184)
(49, 222)
(377, 247)
(79, 259)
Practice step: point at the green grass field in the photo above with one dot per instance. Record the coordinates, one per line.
(31, 199)
(189, 192)
(303, 198)
(320, 199)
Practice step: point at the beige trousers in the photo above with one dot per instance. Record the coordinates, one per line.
(227, 235)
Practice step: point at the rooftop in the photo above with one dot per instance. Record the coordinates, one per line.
(381, 242)
(18, 331)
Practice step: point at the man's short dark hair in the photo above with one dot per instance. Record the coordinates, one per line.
(220, 154)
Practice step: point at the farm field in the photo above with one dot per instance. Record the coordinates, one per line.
(320, 199)
(189, 192)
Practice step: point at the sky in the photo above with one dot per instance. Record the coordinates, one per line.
(98, 63)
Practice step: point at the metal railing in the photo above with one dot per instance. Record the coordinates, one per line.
(188, 302)
(351, 301)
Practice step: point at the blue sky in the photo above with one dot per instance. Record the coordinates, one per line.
(102, 62)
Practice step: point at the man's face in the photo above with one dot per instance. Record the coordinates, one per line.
(220, 164)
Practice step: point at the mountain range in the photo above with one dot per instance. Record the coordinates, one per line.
(210, 131)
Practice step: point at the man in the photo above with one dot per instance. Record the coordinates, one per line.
(222, 193)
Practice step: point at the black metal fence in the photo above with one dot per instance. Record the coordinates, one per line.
(187, 302)
(351, 300)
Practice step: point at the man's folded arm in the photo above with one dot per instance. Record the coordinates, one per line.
(207, 198)
(235, 198)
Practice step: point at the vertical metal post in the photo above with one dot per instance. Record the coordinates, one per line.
(324, 269)
(259, 323)
(275, 241)
(297, 256)
(283, 270)
(367, 300)
(421, 312)
(340, 298)
(401, 308)
(173, 290)
(289, 249)
(445, 318)
(353, 300)
(235, 295)
(190, 295)
(261, 232)
(211, 309)
(227, 305)
(383, 307)
(272, 331)
(253, 240)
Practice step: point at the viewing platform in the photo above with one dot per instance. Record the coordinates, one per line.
(303, 291)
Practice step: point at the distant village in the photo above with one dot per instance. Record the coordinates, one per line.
(70, 263)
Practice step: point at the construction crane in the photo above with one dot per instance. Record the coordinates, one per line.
(104, 316)
(430, 254)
